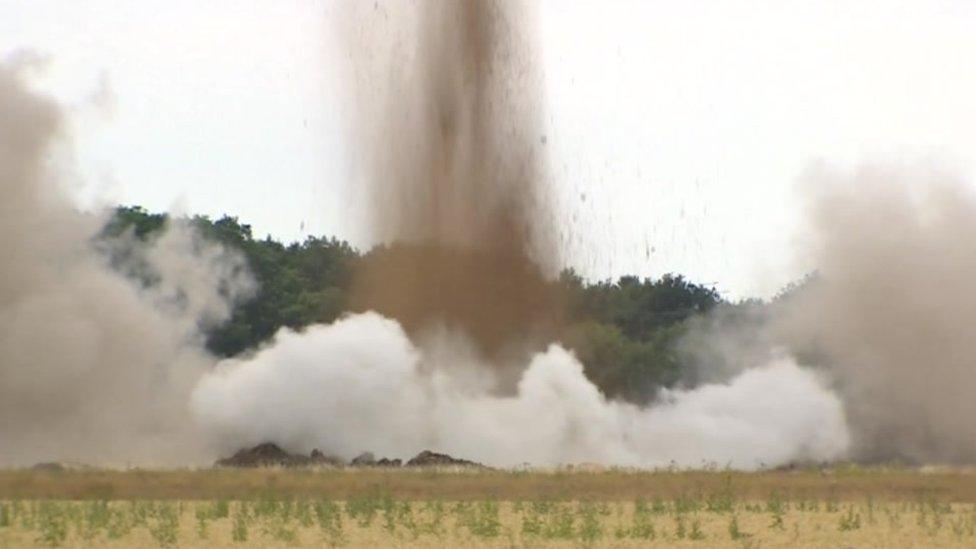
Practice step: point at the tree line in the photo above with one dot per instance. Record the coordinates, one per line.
(624, 331)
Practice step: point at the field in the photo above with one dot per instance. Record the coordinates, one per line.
(841, 507)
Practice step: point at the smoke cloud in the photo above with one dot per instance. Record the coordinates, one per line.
(93, 366)
(892, 307)
(361, 384)
(885, 317)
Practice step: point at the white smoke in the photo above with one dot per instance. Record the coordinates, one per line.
(360, 384)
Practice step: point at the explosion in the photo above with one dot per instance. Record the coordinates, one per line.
(453, 345)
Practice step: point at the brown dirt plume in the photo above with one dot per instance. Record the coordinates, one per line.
(456, 175)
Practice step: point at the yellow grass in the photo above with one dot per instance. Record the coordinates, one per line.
(845, 507)
(567, 524)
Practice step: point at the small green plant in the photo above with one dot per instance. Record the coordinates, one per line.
(939, 507)
(641, 507)
(696, 531)
(680, 530)
(166, 528)
(363, 509)
(735, 532)
(560, 524)
(389, 514)
(220, 509)
(266, 506)
(329, 516)
(239, 531)
(684, 504)
(642, 526)
(434, 523)
(531, 523)
(958, 528)
(775, 504)
(753, 508)
(590, 527)
(96, 518)
(137, 514)
(484, 521)
(543, 507)
(303, 512)
(52, 523)
(203, 515)
(643, 529)
(850, 520)
(720, 503)
(119, 525)
(281, 530)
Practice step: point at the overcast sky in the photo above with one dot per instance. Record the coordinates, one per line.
(676, 130)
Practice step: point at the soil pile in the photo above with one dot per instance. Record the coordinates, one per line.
(433, 459)
(269, 454)
(367, 459)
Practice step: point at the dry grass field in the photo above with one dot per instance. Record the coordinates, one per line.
(840, 507)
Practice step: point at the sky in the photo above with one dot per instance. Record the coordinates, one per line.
(677, 131)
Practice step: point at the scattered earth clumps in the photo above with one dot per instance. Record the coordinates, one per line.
(60, 466)
(367, 459)
(318, 458)
(269, 454)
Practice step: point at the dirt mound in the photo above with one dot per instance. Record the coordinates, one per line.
(433, 459)
(269, 454)
(367, 459)
(318, 458)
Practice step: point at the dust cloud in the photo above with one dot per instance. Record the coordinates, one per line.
(885, 316)
(93, 366)
(892, 309)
